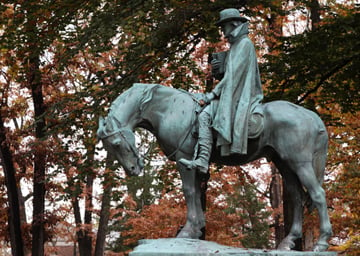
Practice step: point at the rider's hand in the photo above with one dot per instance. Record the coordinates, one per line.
(209, 97)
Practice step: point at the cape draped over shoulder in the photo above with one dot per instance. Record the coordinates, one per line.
(239, 93)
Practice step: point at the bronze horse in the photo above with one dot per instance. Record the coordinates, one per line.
(294, 138)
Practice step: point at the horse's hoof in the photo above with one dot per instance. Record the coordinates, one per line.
(183, 234)
(285, 245)
(320, 247)
(189, 234)
(283, 248)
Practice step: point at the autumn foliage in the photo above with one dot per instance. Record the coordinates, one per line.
(63, 62)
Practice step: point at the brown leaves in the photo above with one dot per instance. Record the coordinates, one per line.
(159, 220)
(224, 220)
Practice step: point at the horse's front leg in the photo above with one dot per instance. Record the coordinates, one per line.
(195, 220)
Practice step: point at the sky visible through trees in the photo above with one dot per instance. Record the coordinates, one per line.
(63, 62)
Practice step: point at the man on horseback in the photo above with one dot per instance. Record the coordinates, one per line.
(234, 97)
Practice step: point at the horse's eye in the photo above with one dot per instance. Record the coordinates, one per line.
(116, 141)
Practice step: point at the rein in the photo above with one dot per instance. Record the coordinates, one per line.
(113, 133)
(120, 132)
(146, 99)
(147, 96)
(193, 121)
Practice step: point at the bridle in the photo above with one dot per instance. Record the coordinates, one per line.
(141, 109)
(120, 131)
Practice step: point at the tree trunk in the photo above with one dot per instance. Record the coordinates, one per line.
(104, 217)
(38, 232)
(23, 220)
(314, 13)
(276, 203)
(308, 238)
(84, 233)
(83, 238)
(14, 222)
(87, 241)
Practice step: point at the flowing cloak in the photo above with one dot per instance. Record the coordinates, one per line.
(239, 92)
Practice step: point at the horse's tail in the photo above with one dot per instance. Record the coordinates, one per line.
(319, 158)
(319, 161)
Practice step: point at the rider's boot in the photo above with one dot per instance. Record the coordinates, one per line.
(201, 163)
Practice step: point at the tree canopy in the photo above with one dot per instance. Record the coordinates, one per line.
(63, 62)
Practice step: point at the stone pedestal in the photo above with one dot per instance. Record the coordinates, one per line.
(194, 247)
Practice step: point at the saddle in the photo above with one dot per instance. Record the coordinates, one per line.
(256, 122)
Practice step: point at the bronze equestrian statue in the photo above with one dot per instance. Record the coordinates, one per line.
(292, 137)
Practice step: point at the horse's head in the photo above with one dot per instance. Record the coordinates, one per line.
(120, 143)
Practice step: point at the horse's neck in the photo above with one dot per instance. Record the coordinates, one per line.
(154, 105)
(138, 106)
(125, 109)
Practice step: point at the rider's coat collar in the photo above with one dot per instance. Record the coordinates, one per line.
(238, 32)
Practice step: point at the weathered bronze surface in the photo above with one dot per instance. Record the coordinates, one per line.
(294, 138)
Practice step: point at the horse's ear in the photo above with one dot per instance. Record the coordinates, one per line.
(100, 132)
(101, 121)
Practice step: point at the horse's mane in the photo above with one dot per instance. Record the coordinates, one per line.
(143, 90)
(143, 93)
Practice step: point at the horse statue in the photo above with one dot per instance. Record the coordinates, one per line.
(293, 138)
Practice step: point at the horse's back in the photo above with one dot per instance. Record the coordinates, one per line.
(284, 114)
(293, 131)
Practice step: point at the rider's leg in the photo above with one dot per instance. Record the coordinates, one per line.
(205, 145)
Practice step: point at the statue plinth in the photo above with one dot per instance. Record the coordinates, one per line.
(195, 247)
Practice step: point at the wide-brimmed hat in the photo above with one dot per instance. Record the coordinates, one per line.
(230, 14)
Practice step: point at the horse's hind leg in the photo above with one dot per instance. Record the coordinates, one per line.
(308, 179)
(294, 189)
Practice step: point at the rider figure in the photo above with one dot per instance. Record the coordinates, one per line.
(233, 99)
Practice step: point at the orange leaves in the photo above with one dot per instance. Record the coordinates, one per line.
(156, 221)
(342, 181)
(226, 216)
(81, 72)
(8, 13)
(234, 210)
(129, 203)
